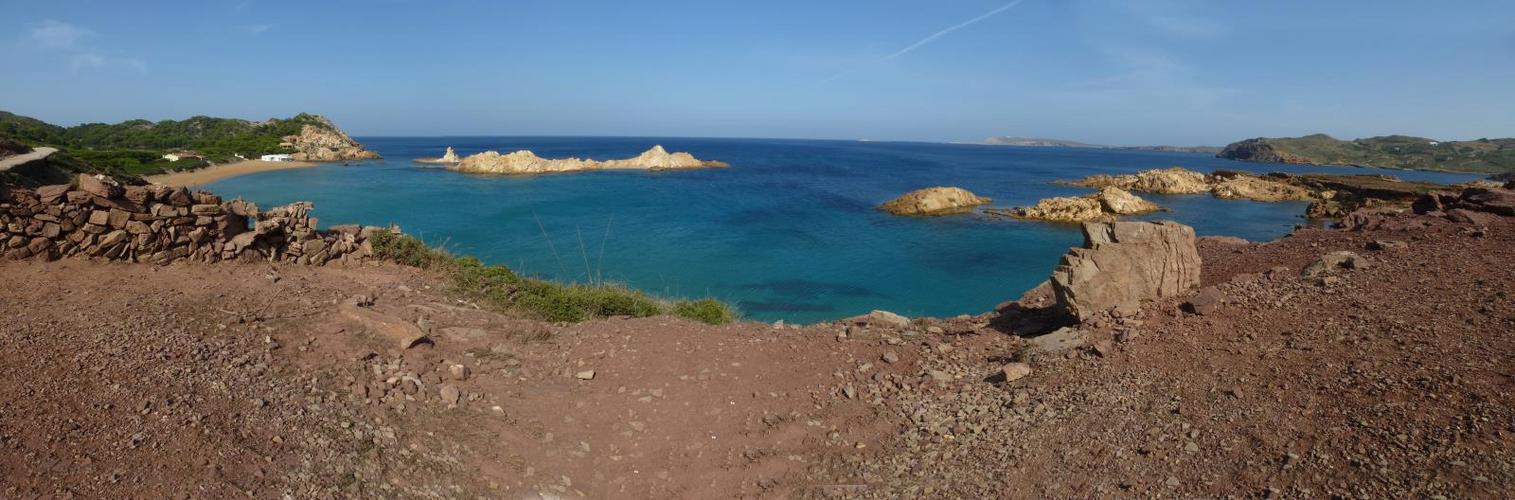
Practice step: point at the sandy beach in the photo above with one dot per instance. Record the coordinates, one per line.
(217, 172)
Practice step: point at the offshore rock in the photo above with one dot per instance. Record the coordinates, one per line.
(1175, 180)
(934, 201)
(1124, 264)
(526, 162)
(449, 157)
(1102, 206)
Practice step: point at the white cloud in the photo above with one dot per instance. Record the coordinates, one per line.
(95, 60)
(72, 43)
(58, 35)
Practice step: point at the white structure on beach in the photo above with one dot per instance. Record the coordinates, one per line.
(279, 157)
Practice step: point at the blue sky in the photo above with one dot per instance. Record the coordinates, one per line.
(1107, 71)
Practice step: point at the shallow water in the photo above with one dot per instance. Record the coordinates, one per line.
(790, 231)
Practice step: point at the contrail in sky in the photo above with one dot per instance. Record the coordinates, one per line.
(937, 35)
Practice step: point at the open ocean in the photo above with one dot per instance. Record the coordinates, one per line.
(790, 231)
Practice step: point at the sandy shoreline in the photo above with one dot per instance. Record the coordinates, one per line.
(217, 172)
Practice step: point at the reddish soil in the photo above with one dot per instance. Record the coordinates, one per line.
(238, 379)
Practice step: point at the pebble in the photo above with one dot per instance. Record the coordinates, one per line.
(584, 375)
(890, 357)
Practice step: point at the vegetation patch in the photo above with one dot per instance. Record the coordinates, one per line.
(501, 288)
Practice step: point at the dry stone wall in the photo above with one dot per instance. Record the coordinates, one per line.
(96, 217)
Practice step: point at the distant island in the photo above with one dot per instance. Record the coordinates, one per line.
(1394, 151)
(1060, 143)
(142, 147)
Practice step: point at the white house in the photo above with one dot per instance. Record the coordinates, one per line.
(180, 155)
(279, 157)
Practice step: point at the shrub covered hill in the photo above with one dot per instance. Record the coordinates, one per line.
(137, 147)
(1394, 151)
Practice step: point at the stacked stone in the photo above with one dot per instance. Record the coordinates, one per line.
(289, 234)
(98, 217)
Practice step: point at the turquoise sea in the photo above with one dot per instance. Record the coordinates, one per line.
(789, 232)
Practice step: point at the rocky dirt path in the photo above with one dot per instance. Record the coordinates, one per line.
(273, 380)
(37, 154)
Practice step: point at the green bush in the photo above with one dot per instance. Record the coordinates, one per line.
(708, 311)
(501, 288)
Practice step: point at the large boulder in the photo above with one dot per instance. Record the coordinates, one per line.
(934, 201)
(1123, 264)
(1495, 201)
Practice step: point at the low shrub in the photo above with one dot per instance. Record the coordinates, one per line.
(501, 288)
(708, 311)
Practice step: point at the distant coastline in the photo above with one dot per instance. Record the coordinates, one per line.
(1063, 143)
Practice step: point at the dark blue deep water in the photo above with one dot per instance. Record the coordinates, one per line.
(790, 231)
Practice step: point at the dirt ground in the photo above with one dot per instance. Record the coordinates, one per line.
(272, 381)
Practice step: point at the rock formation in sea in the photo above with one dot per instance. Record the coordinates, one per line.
(526, 162)
(1123, 264)
(323, 141)
(1104, 205)
(449, 157)
(1175, 180)
(934, 201)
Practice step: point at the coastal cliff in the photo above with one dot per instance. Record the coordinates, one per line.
(525, 162)
(323, 141)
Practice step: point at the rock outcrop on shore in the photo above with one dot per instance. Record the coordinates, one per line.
(1178, 180)
(1246, 187)
(97, 216)
(1123, 264)
(1104, 205)
(524, 162)
(449, 157)
(934, 201)
(323, 141)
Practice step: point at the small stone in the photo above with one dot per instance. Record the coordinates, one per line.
(890, 357)
(459, 372)
(1016, 371)
(584, 375)
(451, 395)
(941, 376)
(935, 330)
(1207, 301)
(849, 391)
(1103, 348)
(944, 348)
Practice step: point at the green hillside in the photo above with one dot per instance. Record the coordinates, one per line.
(137, 146)
(1394, 151)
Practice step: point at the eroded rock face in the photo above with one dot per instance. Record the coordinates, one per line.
(1173, 180)
(934, 201)
(1102, 206)
(526, 162)
(326, 142)
(1123, 264)
(1246, 187)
